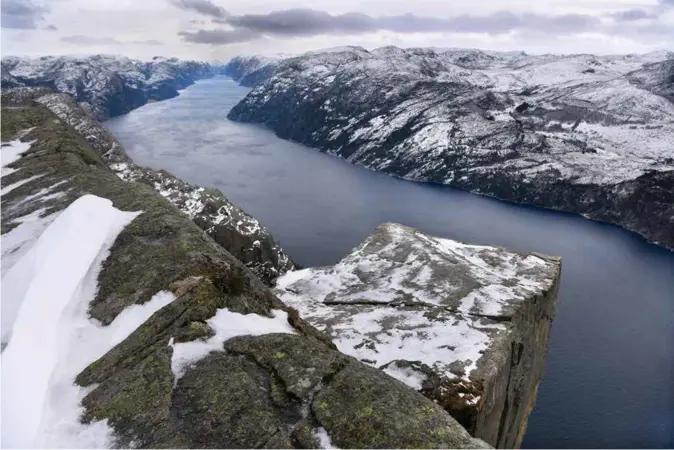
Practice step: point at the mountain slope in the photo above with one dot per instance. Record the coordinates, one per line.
(106, 86)
(153, 335)
(239, 233)
(250, 70)
(581, 133)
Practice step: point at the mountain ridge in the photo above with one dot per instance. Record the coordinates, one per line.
(579, 133)
(106, 85)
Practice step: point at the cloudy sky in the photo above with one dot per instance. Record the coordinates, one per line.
(220, 29)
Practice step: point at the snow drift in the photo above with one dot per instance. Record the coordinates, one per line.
(52, 337)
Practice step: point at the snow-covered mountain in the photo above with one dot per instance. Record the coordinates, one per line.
(106, 85)
(582, 133)
(251, 70)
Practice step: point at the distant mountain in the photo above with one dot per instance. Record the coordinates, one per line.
(251, 70)
(581, 133)
(106, 86)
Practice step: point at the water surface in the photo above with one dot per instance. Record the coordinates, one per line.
(610, 371)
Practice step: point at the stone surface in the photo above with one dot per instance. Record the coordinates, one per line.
(259, 389)
(543, 130)
(465, 325)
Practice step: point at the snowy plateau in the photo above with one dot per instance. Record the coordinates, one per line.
(437, 314)
(593, 135)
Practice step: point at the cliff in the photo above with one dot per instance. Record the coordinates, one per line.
(238, 232)
(467, 326)
(105, 85)
(124, 324)
(580, 133)
(250, 70)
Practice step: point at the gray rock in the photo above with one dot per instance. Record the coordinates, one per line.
(239, 233)
(465, 325)
(250, 391)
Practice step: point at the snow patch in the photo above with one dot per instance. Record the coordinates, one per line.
(17, 242)
(7, 189)
(52, 338)
(323, 438)
(12, 151)
(226, 325)
(409, 376)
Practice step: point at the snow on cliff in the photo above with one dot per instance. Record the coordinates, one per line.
(586, 134)
(367, 302)
(52, 337)
(465, 325)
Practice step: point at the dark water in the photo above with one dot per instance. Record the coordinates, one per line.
(610, 372)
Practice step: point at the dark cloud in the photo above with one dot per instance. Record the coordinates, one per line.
(205, 7)
(21, 14)
(80, 39)
(302, 22)
(219, 37)
(51, 28)
(631, 15)
(308, 22)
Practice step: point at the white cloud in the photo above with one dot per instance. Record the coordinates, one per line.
(172, 27)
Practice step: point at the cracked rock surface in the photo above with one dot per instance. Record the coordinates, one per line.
(277, 387)
(465, 325)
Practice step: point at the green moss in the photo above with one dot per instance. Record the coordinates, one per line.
(199, 330)
(279, 355)
(439, 432)
(365, 412)
(138, 398)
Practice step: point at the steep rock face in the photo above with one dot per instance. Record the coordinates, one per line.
(580, 133)
(465, 325)
(106, 86)
(225, 363)
(250, 70)
(239, 233)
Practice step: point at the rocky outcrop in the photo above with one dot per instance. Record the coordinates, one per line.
(239, 233)
(223, 364)
(106, 86)
(467, 326)
(580, 133)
